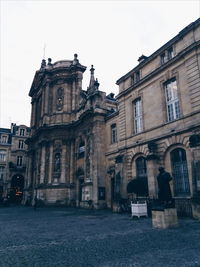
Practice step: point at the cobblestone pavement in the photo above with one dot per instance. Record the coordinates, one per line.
(75, 237)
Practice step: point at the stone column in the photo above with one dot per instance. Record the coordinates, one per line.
(46, 104)
(73, 95)
(63, 164)
(42, 101)
(29, 170)
(72, 155)
(33, 112)
(152, 170)
(50, 163)
(42, 166)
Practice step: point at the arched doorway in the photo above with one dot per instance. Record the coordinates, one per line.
(16, 190)
(141, 174)
(180, 172)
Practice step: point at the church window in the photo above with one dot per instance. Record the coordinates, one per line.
(172, 101)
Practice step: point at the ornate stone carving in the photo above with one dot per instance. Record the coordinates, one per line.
(88, 156)
(194, 140)
(60, 99)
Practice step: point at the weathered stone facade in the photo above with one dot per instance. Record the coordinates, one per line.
(86, 147)
(67, 148)
(159, 116)
(13, 155)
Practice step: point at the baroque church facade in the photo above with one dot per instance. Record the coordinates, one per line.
(86, 146)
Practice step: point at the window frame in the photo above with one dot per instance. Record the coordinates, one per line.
(172, 100)
(4, 139)
(113, 128)
(22, 132)
(21, 144)
(19, 162)
(138, 119)
(3, 155)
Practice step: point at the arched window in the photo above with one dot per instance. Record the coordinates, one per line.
(141, 168)
(180, 171)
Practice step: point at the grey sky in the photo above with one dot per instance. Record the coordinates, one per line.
(111, 35)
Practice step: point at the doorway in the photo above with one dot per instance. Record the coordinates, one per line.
(16, 190)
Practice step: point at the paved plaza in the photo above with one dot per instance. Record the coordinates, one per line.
(77, 237)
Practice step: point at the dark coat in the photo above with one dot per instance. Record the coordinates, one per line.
(164, 192)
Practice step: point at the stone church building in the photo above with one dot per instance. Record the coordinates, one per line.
(86, 146)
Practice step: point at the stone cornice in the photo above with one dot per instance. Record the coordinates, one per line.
(179, 36)
(159, 69)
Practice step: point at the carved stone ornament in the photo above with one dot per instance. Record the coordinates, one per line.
(60, 99)
(194, 140)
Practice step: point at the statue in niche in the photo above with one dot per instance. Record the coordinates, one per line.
(60, 98)
(57, 162)
(88, 157)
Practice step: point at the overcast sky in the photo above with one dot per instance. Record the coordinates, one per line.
(111, 35)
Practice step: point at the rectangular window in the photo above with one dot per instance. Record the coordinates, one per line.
(19, 160)
(21, 132)
(4, 139)
(21, 144)
(137, 76)
(2, 169)
(167, 55)
(2, 156)
(138, 116)
(172, 101)
(163, 58)
(170, 53)
(113, 133)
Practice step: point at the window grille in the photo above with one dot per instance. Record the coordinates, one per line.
(180, 172)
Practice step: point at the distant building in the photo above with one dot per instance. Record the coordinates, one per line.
(85, 147)
(13, 161)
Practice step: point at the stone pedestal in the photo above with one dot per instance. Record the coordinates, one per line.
(164, 218)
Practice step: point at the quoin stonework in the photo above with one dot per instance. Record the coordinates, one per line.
(86, 147)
